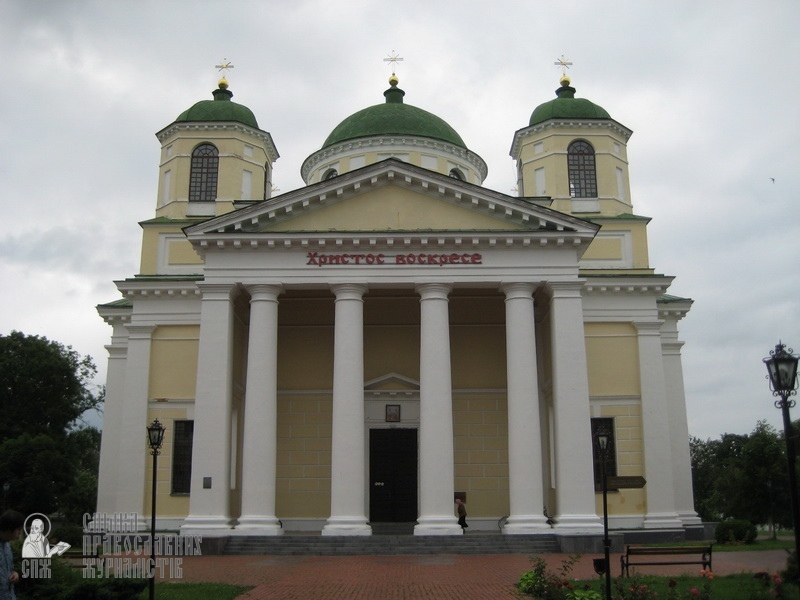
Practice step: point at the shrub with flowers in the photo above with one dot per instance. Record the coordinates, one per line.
(543, 584)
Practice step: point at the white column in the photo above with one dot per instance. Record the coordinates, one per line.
(656, 432)
(676, 402)
(113, 425)
(209, 501)
(526, 487)
(436, 477)
(572, 417)
(348, 446)
(260, 443)
(133, 434)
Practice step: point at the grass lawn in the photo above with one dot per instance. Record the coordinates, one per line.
(196, 591)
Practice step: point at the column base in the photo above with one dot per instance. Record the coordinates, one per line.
(438, 526)
(347, 526)
(256, 525)
(215, 526)
(584, 524)
(690, 519)
(526, 525)
(662, 521)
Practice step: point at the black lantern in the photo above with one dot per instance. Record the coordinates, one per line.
(782, 369)
(602, 437)
(155, 436)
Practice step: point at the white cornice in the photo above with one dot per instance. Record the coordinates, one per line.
(394, 142)
(521, 134)
(216, 126)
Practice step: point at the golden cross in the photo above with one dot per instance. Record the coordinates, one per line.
(564, 64)
(393, 59)
(225, 65)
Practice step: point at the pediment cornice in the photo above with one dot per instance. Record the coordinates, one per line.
(258, 225)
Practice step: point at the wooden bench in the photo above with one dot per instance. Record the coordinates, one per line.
(681, 555)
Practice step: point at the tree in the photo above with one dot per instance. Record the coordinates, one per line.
(742, 477)
(44, 386)
(46, 462)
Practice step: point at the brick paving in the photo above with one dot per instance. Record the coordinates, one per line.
(439, 577)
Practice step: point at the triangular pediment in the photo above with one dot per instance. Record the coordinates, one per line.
(392, 383)
(392, 196)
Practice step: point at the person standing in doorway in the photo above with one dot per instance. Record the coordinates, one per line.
(462, 514)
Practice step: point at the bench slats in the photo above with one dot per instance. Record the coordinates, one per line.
(704, 558)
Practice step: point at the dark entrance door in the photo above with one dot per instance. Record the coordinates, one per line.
(392, 475)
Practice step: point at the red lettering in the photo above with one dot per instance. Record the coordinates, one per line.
(477, 259)
(312, 258)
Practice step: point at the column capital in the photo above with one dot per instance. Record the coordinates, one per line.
(216, 291)
(140, 331)
(349, 291)
(263, 291)
(434, 290)
(518, 289)
(648, 327)
(566, 289)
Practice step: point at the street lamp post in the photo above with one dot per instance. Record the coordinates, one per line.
(782, 369)
(155, 437)
(602, 438)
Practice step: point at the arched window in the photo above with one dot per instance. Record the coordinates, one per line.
(330, 174)
(582, 172)
(205, 170)
(457, 174)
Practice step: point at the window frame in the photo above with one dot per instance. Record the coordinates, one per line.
(181, 467)
(581, 170)
(204, 173)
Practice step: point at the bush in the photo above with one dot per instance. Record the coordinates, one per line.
(734, 531)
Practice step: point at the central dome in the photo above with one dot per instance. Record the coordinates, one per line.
(393, 118)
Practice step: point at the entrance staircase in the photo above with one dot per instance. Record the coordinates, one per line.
(394, 539)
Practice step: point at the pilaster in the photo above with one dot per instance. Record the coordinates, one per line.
(572, 416)
(209, 502)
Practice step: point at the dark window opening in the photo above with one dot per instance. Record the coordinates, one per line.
(582, 171)
(457, 174)
(182, 457)
(204, 174)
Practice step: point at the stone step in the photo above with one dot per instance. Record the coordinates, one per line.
(316, 545)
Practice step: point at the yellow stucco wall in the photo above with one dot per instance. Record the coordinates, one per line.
(391, 207)
(304, 456)
(613, 360)
(173, 362)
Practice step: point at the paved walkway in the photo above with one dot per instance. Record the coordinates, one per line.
(445, 577)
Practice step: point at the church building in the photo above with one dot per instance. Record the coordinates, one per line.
(394, 335)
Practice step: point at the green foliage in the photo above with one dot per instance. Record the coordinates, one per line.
(49, 465)
(742, 477)
(543, 584)
(735, 531)
(44, 386)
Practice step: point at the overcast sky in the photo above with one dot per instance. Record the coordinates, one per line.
(711, 90)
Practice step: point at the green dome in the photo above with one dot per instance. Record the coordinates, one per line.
(567, 106)
(219, 109)
(393, 118)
